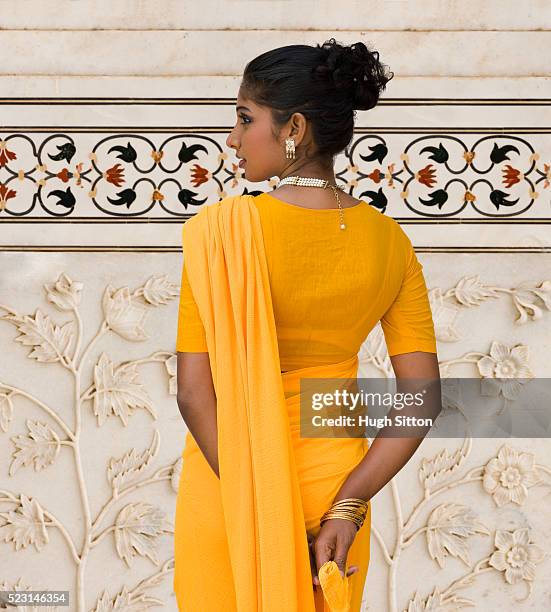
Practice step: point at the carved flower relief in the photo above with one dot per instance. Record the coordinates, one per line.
(516, 556)
(64, 293)
(502, 369)
(124, 315)
(508, 476)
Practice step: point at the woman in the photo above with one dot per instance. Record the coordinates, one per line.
(278, 287)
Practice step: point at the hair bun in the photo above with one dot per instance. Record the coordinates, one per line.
(355, 71)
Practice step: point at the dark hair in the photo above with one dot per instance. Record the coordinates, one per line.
(325, 83)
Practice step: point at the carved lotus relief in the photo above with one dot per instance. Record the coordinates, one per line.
(515, 555)
(508, 476)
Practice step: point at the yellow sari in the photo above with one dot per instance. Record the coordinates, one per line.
(243, 537)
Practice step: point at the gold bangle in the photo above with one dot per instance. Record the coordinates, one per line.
(357, 521)
(353, 509)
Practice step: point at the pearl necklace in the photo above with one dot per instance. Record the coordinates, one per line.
(304, 181)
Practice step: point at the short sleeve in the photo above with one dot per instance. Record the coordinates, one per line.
(191, 333)
(407, 324)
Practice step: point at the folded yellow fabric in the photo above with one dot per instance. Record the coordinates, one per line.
(335, 587)
(228, 274)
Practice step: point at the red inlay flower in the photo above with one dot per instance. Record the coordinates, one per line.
(376, 175)
(115, 175)
(426, 175)
(64, 175)
(200, 175)
(5, 195)
(5, 155)
(510, 175)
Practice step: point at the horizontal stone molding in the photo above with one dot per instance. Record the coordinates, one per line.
(189, 52)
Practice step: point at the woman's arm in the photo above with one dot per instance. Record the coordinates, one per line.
(388, 455)
(385, 458)
(197, 403)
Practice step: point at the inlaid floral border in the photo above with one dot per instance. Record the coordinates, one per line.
(172, 175)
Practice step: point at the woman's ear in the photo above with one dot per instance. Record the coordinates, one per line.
(299, 128)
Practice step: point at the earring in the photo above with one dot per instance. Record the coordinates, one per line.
(290, 148)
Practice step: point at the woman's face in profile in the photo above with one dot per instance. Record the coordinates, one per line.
(254, 142)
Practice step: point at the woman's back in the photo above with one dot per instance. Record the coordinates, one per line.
(330, 287)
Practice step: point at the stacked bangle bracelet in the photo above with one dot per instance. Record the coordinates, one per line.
(352, 509)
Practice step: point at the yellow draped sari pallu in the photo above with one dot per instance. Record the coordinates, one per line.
(274, 485)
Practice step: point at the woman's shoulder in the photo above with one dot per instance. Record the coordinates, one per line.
(387, 221)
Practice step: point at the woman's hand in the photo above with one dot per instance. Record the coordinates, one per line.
(332, 544)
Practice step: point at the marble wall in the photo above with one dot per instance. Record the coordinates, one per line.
(112, 133)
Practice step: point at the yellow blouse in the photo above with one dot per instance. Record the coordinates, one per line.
(331, 286)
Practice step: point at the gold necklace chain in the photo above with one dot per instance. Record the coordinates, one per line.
(305, 181)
